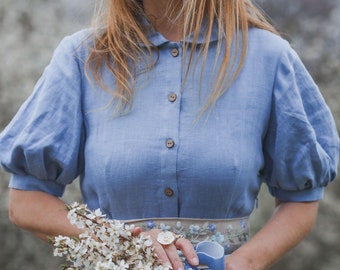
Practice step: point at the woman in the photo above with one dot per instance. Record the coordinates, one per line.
(173, 113)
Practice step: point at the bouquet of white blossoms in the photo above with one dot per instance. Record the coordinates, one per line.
(105, 244)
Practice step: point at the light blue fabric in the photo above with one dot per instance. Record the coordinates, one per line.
(271, 126)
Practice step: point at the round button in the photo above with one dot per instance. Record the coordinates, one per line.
(172, 97)
(174, 52)
(170, 143)
(169, 192)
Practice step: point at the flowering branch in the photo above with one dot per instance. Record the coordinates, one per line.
(104, 245)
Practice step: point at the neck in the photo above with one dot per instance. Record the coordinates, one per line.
(164, 17)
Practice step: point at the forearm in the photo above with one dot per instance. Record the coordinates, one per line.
(40, 213)
(290, 223)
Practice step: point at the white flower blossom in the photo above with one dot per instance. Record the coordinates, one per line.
(105, 244)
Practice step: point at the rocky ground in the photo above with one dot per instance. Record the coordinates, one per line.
(30, 30)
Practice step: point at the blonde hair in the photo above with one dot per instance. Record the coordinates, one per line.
(117, 44)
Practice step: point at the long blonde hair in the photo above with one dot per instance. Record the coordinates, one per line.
(117, 45)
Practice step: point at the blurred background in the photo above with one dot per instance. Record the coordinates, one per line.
(30, 31)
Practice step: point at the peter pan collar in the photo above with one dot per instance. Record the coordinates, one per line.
(157, 39)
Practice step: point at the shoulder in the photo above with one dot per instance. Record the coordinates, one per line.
(267, 43)
(77, 44)
(271, 49)
(267, 39)
(84, 36)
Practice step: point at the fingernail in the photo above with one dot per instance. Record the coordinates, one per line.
(195, 261)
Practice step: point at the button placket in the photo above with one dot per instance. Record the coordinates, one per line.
(169, 132)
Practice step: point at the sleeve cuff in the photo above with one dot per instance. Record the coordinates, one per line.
(29, 183)
(307, 195)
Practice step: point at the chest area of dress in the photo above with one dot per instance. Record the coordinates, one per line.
(163, 138)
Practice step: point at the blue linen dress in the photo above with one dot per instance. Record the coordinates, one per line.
(272, 126)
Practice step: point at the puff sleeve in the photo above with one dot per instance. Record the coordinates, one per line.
(43, 145)
(301, 147)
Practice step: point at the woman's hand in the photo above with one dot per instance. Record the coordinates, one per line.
(168, 253)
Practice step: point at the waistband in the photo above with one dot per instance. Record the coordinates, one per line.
(230, 233)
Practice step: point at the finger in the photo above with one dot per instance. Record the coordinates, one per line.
(158, 248)
(175, 260)
(137, 231)
(162, 255)
(188, 250)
